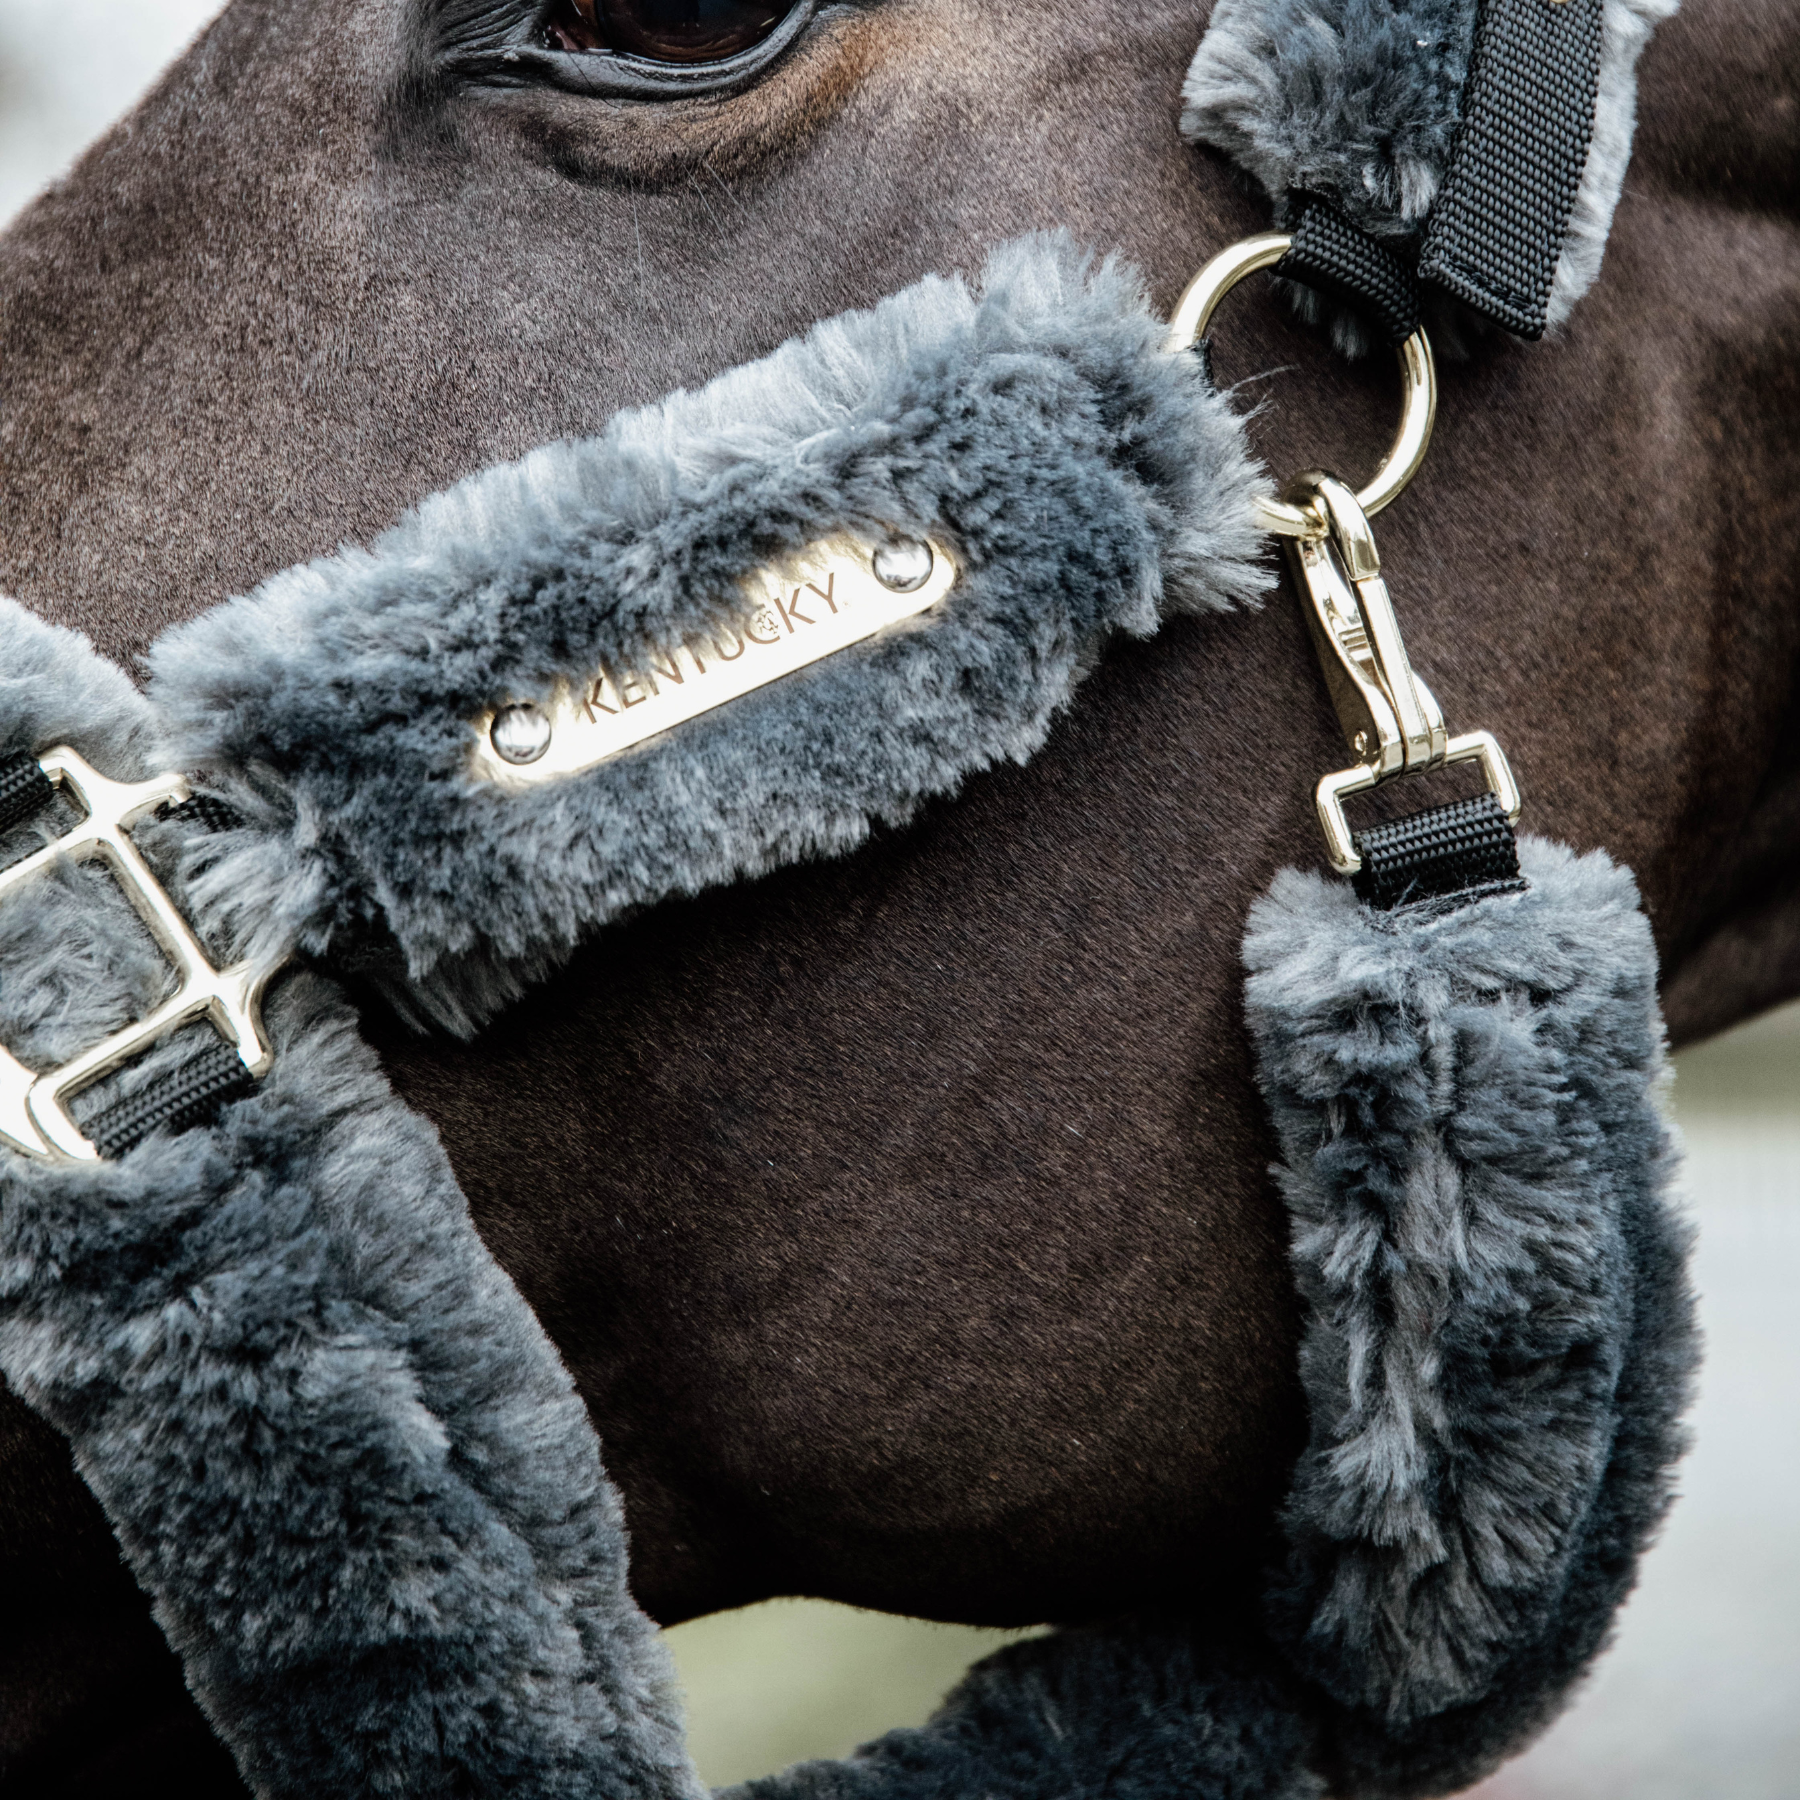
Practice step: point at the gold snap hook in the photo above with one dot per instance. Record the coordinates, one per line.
(1193, 314)
(1391, 719)
(1389, 715)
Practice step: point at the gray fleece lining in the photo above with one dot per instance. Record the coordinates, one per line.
(1088, 483)
(1359, 100)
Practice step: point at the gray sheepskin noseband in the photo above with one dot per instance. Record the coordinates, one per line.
(1090, 483)
(338, 1450)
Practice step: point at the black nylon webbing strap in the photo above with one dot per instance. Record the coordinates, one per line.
(189, 1095)
(1462, 847)
(24, 790)
(207, 811)
(1496, 231)
(1332, 255)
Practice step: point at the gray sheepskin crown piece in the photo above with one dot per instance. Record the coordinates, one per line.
(1086, 481)
(1359, 101)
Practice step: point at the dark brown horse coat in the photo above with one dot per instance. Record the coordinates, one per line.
(904, 1219)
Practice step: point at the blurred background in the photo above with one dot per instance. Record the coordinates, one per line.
(1700, 1696)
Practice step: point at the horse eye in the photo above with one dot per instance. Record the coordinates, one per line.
(674, 31)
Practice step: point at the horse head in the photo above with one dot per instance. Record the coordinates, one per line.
(904, 1219)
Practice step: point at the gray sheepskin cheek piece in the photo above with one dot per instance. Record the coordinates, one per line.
(1088, 483)
(1359, 100)
(336, 1447)
(1499, 1338)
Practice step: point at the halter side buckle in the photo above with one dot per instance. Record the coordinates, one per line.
(34, 1115)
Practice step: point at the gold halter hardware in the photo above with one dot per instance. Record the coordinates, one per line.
(1391, 720)
(1418, 373)
(34, 1109)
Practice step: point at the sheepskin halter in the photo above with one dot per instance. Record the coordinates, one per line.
(337, 1448)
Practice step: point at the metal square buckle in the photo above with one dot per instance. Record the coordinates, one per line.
(34, 1115)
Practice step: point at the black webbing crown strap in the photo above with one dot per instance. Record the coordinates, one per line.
(192, 1092)
(1495, 234)
(1328, 253)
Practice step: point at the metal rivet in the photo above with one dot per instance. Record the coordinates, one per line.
(902, 564)
(520, 734)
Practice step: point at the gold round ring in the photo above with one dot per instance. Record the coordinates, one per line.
(1418, 373)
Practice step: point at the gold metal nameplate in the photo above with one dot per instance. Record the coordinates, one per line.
(825, 599)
